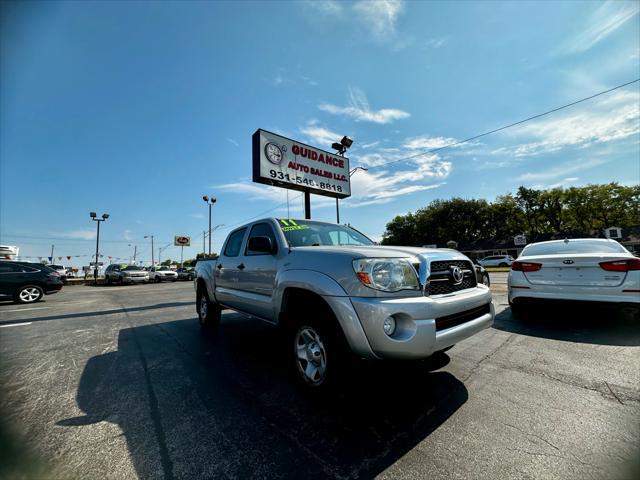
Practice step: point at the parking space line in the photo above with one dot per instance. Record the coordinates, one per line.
(22, 309)
(15, 324)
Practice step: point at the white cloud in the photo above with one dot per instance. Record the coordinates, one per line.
(197, 215)
(428, 143)
(613, 118)
(435, 43)
(127, 235)
(232, 142)
(326, 7)
(563, 169)
(605, 20)
(359, 109)
(320, 136)
(370, 145)
(380, 16)
(77, 234)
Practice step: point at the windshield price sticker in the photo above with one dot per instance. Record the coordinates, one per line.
(290, 225)
(291, 164)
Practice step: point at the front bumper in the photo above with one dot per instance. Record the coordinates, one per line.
(416, 334)
(135, 279)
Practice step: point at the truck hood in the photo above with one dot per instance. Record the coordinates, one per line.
(386, 251)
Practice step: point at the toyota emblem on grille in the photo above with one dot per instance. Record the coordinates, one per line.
(456, 274)
(567, 262)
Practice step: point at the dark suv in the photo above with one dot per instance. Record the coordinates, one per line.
(27, 282)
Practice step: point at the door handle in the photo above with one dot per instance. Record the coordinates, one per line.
(219, 266)
(241, 266)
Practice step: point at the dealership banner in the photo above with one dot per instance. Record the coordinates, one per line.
(288, 163)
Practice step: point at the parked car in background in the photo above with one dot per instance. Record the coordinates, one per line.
(186, 273)
(123, 273)
(61, 270)
(160, 274)
(27, 282)
(589, 269)
(496, 261)
(482, 276)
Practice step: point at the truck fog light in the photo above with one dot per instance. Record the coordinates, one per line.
(389, 325)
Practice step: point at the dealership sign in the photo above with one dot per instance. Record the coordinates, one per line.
(520, 240)
(182, 241)
(288, 163)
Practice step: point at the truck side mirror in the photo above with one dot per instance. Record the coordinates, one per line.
(261, 245)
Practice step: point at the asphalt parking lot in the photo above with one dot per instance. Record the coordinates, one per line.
(119, 382)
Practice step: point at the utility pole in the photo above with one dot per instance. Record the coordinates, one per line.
(152, 257)
(204, 246)
(95, 219)
(52, 246)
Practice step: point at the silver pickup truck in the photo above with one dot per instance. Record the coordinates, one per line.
(337, 293)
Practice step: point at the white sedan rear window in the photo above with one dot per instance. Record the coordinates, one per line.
(573, 246)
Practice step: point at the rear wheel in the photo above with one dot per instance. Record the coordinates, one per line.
(29, 294)
(503, 264)
(209, 313)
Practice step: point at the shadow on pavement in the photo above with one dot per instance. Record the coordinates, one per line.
(99, 313)
(194, 406)
(572, 322)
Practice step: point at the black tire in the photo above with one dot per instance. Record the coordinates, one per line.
(330, 359)
(158, 279)
(209, 313)
(502, 264)
(517, 310)
(28, 294)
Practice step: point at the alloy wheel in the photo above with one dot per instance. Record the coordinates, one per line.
(30, 294)
(311, 356)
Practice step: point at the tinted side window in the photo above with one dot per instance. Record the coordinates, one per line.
(9, 268)
(261, 230)
(234, 243)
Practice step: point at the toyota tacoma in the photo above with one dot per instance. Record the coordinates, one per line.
(336, 293)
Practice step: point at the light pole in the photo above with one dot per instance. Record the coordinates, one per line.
(341, 149)
(95, 218)
(210, 202)
(152, 257)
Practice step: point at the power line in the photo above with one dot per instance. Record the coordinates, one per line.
(519, 122)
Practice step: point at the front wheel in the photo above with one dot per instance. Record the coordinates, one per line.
(319, 354)
(209, 314)
(29, 294)
(503, 264)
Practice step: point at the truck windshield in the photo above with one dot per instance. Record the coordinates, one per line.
(305, 233)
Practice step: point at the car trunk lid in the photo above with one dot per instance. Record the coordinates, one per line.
(574, 270)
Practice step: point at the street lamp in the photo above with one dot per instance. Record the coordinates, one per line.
(135, 251)
(210, 202)
(152, 258)
(341, 149)
(95, 218)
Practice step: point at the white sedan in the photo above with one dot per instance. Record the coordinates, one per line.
(588, 269)
(160, 274)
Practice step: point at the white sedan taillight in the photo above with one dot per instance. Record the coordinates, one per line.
(526, 266)
(621, 265)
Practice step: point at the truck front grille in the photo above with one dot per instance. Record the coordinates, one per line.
(441, 280)
(449, 321)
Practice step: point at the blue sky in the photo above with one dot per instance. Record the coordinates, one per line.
(139, 108)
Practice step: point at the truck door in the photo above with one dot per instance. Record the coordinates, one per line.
(258, 275)
(226, 271)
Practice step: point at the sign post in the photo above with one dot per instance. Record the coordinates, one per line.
(181, 241)
(294, 165)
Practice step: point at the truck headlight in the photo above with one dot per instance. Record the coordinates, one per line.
(386, 274)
